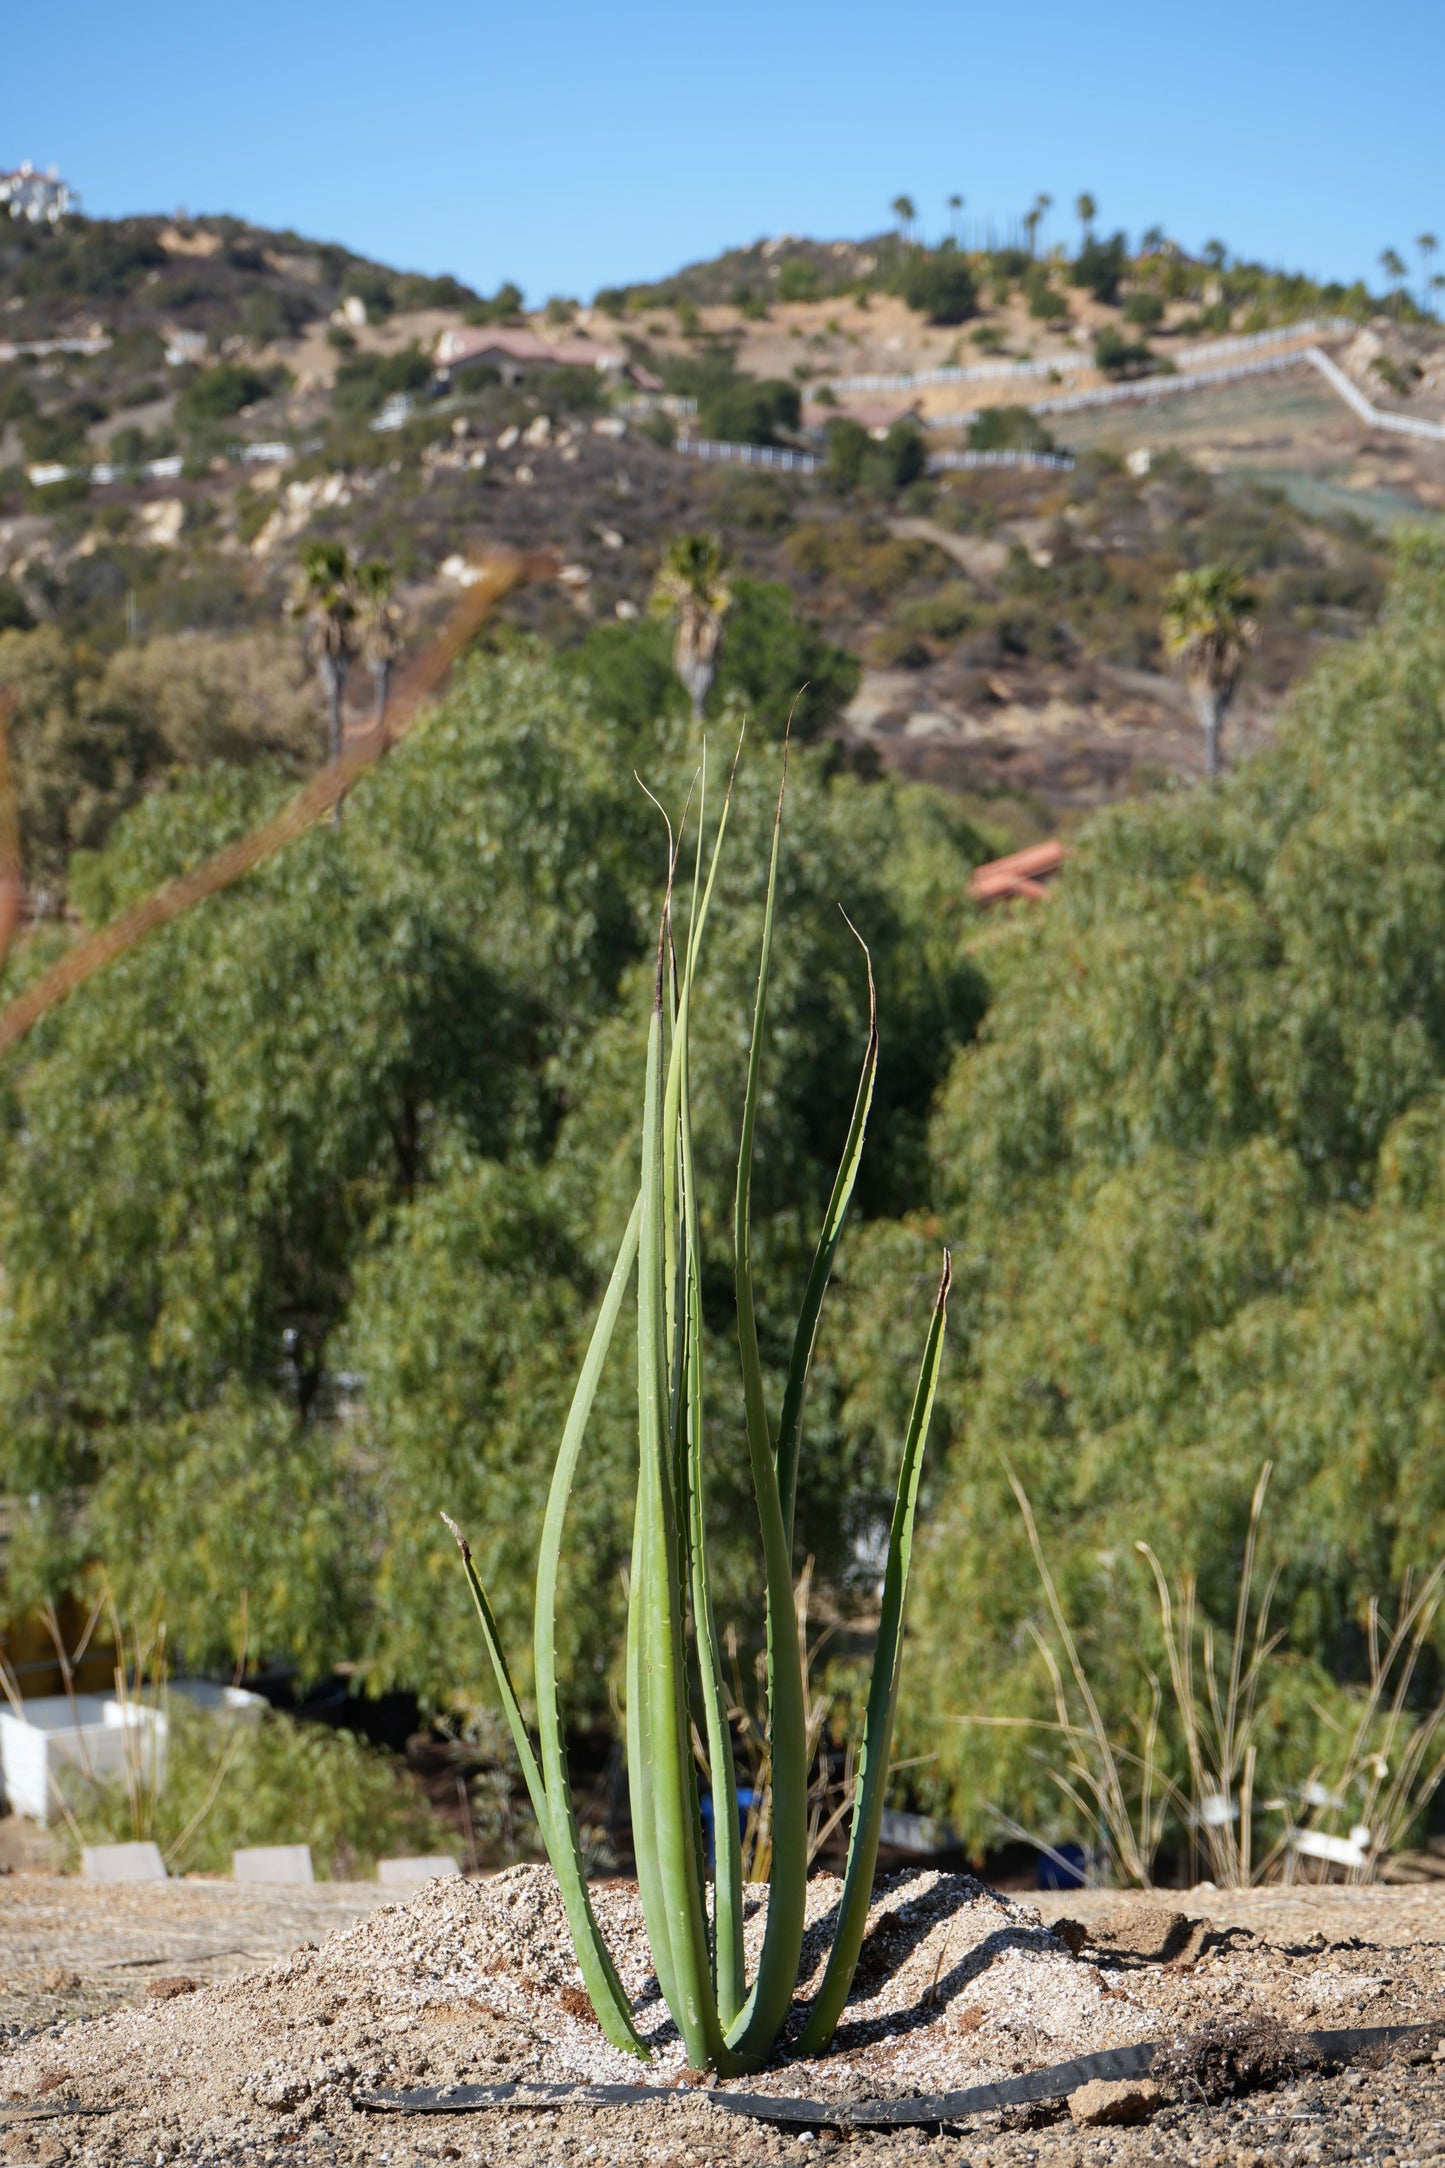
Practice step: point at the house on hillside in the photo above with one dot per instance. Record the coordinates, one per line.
(1022, 873)
(515, 352)
(877, 416)
(42, 198)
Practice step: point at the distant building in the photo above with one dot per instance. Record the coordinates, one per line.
(42, 198)
(515, 353)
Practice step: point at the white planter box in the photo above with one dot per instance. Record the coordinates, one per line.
(235, 1704)
(59, 1743)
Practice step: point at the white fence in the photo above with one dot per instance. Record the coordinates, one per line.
(1080, 364)
(12, 349)
(953, 462)
(1309, 327)
(982, 372)
(1405, 425)
(659, 402)
(43, 473)
(775, 456)
(1150, 388)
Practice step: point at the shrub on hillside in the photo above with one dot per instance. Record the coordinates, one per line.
(503, 307)
(218, 393)
(857, 460)
(939, 285)
(1144, 309)
(798, 280)
(1044, 299)
(364, 381)
(1118, 356)
(1100, 265)
(1008, 429)
(749, 410)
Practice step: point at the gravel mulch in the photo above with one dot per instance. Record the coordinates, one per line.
(474, 1982)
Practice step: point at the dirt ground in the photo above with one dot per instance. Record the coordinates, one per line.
(172, 2014)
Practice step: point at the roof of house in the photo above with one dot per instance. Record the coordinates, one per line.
(871, 415)
(1022, 873)
(470, 342)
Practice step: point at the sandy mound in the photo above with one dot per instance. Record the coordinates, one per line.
(474, 1982)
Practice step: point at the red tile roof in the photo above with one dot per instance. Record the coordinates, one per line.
(1022, 873)
(521, 345)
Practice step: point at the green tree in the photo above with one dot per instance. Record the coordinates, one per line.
(379, 621)
(748, 410)
(218, 393)
(1427, 243)
(939, 286)
(1207, 632)
(1196, 1161)
(323, 596)
(1034, 218)
(955, 208)
(774, 663)
(1087, 211)
(1099, 266)
(691, 590)
(905, 211)
(304, 1204)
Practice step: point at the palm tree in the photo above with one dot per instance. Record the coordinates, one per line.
(324, 595)
(955, 205)
(1088, 211)
(1207, 628)
(905, 211)
(691, 589)
(1393, 266)
(379, 622)
(1427, 245)
(1032, 219)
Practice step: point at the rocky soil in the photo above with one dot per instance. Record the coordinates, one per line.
(473, 1982)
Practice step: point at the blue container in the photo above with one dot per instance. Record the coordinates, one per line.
(1066, 1869)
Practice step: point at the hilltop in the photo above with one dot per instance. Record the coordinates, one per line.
(184, 403)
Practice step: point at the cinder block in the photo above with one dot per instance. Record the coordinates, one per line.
(273, 1863)
(406, 1873)
(123, 1863)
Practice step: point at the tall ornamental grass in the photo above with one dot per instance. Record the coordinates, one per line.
(727, 2022)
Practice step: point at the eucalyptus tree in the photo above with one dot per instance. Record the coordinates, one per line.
(1207, 630)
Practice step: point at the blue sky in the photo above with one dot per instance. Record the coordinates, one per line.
(571, 145)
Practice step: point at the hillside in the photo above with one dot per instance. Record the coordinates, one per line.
(184, 404)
